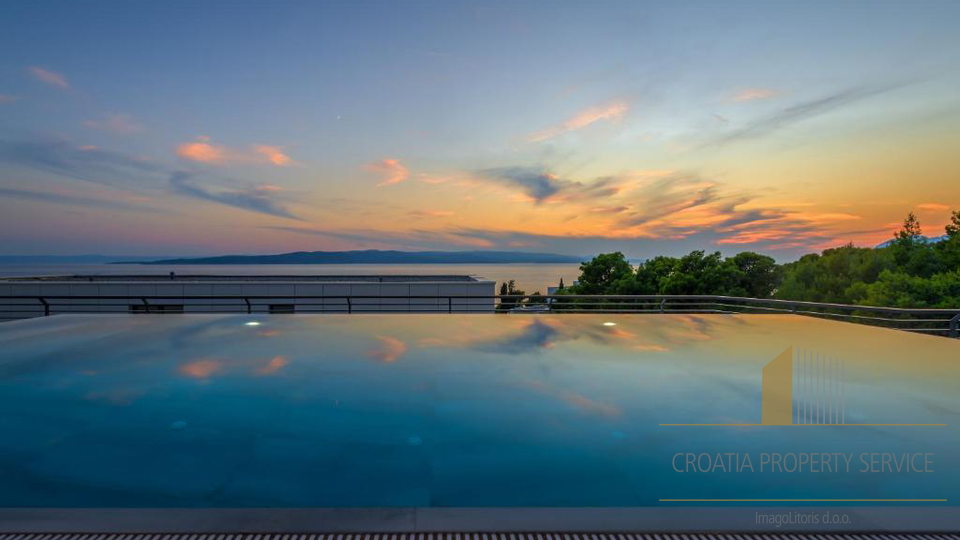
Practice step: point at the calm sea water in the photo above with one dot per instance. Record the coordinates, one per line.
(529, 277)
(455, 411)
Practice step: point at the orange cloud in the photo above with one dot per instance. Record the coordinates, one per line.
(932, 207)
(389, 350)
(575, 399)
(392, 171)
(203, 151)
(582, 120)
(49, 77)
(273, 366)
(201, 369)
(431, 179)
(273, 154)
(751, 94)
(651, 347)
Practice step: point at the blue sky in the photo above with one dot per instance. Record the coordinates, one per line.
(159, 128)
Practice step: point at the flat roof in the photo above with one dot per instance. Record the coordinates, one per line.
(377, 278)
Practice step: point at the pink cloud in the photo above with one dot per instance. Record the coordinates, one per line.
(752, 94)
(203, 151)
(273, 154)
(118, 123)
(273, 366)
(581, 120)
(392, 171)
(201, 369)
(6, 98)
(49, 77)
(390, 349)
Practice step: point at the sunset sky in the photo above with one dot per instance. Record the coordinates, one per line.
(195, 128)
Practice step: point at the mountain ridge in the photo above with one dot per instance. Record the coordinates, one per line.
(375, 256)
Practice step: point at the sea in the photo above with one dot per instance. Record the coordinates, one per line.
(529, 277)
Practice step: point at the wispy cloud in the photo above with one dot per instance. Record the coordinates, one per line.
(400, 239)
(933, 207)
(253, 199)
(430, 213)
(541, 185)
(204, 151)
(534, 336)
(753, 94)
(803, 111)
(86, 162)
(661, 198)
(536, 183)
(75, 200)
(391, 170)
(7, 98)
(50, 77)
(116, 169)
(581, 120)
(118, 123)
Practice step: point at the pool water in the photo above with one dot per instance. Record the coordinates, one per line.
(452, 410)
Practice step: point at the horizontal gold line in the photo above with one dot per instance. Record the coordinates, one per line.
(802, 500)
(798, 425)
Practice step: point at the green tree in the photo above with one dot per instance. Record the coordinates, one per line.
(699, 273)
(898, 289)
(910, 233)
(509, 288)
(653, 273)
(597, 275)
(953, 228)
(948, 250)
(836, 275)
(911, 251)
(760, 274)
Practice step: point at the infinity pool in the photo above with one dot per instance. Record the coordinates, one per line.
(461, 411)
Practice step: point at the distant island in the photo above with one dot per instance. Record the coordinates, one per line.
(375, 256)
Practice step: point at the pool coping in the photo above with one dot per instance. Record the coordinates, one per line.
(432, 519)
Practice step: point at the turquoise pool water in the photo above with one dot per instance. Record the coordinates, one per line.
(457, 411)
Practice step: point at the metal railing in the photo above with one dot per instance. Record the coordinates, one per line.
(931, 321)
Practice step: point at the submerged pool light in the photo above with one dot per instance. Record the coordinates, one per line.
(252, 323)
(609, 323)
